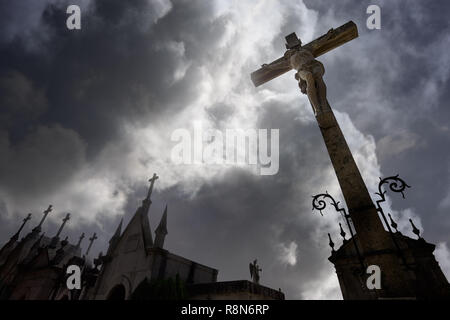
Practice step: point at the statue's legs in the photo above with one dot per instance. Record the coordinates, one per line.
(312, 74)
(318, 71)
(310, 89)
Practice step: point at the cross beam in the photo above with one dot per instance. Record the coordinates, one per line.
(332, 39)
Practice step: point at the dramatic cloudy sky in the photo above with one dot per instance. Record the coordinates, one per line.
(86, 118)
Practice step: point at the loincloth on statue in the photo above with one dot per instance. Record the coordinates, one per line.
(315, 67)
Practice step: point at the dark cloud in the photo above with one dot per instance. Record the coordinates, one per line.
(118, 68)
(56, 152)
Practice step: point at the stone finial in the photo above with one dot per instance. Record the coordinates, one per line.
(331, 243)
(161, 230)
(415, 230)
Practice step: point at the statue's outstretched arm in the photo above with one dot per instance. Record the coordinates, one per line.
(282, 64)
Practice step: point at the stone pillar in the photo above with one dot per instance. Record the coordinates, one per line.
(362, 211)
(375, 243)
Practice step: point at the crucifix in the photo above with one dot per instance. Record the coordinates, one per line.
(309, 75)
(91, 241)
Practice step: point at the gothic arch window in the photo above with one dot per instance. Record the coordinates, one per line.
(117, 293)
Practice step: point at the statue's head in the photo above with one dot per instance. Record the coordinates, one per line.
(292, 41)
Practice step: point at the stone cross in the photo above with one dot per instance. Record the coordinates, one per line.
(65, 219)
(46, 212)
(16, 235)
(91, 240)
(80, 239)
(28, 217)
(309, 75)
(55, 239)
(152, 182)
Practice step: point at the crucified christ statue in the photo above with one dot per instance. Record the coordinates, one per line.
(309, 71)
(375, 243)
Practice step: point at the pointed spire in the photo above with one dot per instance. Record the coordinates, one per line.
(161, 230)
(46, 212)
(415, 230)
(146, 232)
(91, 239)
(143, 211)
(141, 216)
(15, 237)
(115, 238)
(331, 243)
(162, 227)
(118, 230)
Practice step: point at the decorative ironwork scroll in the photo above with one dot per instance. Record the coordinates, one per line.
(397, 185)
(320, 204)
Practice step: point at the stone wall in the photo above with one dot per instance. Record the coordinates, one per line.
(233, 290)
